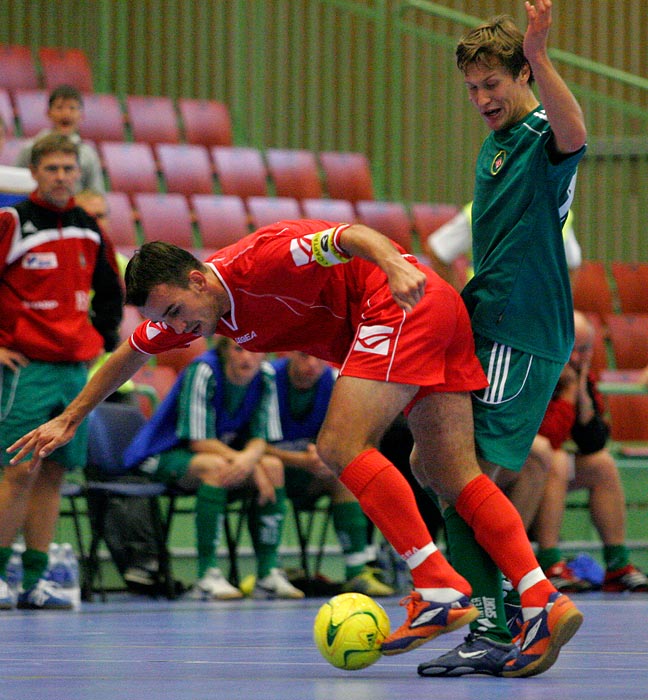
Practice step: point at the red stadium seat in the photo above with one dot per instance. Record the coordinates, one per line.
(30, 107)
(7, 113)
(294, 173)
(206, 122)
(65, 66)
(390, 218)
(222, 219)
(165, 217)
(103, 118)
(122, 220)
(157, 380)
(240, 171)
(268, 210)
(186, 168)
(339, 210)
(591, 289)
(18, 68)
(152, 119)
(631, 281)
(11, 149)
(628, 416)
(130, 166)
(347, 175)
(629, 339)
(427, 217)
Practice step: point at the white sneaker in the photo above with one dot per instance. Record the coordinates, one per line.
(276, 585)
(7, 601)
(214, 586)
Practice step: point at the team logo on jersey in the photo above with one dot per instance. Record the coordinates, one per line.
(498, 162)
(40, 261)
(373, 339)
(28, 227)
(152, 331)
(301, 250)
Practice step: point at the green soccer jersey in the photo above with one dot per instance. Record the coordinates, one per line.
(520, 294)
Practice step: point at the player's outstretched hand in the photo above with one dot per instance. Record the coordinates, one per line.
(539, 22)
(42, 441)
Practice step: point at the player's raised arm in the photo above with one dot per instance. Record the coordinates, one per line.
(563, 111)
(42, 441)
(406, 282)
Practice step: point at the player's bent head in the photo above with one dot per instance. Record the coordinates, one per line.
(157, 263)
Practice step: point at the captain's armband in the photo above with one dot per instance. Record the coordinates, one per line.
(326, 248)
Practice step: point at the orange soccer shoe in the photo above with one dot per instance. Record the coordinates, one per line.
(543, 636)
(427, 619)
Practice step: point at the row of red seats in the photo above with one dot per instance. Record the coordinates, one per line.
(48, 67)
(151, 119)
(222, 219)
(603, 289)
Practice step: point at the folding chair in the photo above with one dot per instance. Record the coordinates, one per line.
(337, 210)
(206, 122)
(103, 118)
(390, 218)
(186, 168)
(30, 107)
(152, 119)
(72, 492)
(18, 68)
(112, 426)
(347, 175)
(267, 210)
(308, 520)
(221, 219)
(628, 335)
(165, 217)
(240, 171)
(294, 173)
(631, 281)
(130, 166)
(591, 289)
(65, 66)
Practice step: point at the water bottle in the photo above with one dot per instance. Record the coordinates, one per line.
(70, 564)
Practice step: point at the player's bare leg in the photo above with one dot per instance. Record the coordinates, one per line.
(359, 413)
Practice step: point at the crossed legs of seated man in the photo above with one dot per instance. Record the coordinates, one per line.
(443, 461)
(211, 476)
(598, 473)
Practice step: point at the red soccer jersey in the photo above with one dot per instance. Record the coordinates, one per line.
(283, 299)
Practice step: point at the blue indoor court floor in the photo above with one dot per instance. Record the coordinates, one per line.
(136, 648)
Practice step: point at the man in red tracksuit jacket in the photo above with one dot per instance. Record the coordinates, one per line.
(576, 412)
(52, 257)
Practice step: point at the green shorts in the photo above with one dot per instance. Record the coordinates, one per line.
(171, 468)
(34, 394)
(508, 413)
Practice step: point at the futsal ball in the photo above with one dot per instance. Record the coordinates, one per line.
(349, 630)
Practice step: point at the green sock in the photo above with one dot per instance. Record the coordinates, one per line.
(472, 562)
(350, 525)
(34, 565)
(210, 509)
(616, 556)
(5, 555)
(548, 557)
(266, 527)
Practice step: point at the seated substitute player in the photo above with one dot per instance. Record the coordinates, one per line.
(402, 339)
(304, 386)
(576, 412)
(209, 435)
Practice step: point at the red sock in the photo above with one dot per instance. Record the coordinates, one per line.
(499, 530)
(387, 499)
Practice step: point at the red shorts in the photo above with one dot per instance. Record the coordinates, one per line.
(432, 346)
